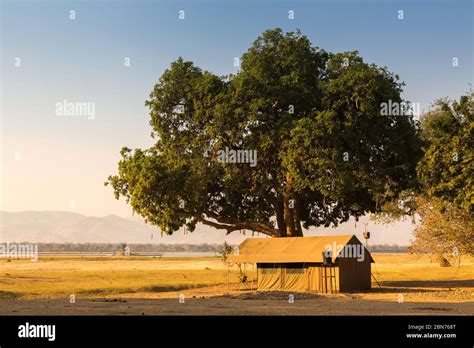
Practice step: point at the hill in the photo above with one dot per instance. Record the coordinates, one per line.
(69, 227)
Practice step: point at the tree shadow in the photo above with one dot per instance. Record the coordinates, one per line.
(399, 289)
(273, 295)
(464, 283)
(8, 295)
(170, 288)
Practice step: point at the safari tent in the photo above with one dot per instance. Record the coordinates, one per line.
(323, 263)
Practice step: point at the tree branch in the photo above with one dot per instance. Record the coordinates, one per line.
(231, 225)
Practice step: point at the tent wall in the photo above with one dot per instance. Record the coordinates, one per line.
(314, 279)
(320, 280)
(269, 277)
(349, 274)
(354, 274)
(296, 277)
(282, 277)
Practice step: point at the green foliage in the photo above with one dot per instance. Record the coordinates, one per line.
(324, 151)
(121, 247)
(446, 174)
(447, 168)
(227, 249)
(446, 232)
(109, 248)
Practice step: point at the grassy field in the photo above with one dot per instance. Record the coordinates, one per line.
(57, 277)
(93, 279)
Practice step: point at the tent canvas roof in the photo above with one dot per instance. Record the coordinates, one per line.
(289, 249)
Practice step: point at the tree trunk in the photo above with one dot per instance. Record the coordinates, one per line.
(289, 220)
(296, 217)
(289, 207)
(280, 216)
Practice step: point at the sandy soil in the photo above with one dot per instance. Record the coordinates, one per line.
(144, 286)
(217, 300)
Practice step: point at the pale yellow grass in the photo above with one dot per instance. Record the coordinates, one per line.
(98, 276)
(418, 278)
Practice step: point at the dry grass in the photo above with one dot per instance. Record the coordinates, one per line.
(101, 283)
(99, 276)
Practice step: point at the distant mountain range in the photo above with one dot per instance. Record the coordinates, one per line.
(69, 227)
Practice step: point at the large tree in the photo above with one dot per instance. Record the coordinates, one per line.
(446, 170)
(324, 151)
(446, 174)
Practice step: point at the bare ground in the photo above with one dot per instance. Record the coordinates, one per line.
(147, 286)
(216, 300)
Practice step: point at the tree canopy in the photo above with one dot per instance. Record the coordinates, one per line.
(446, 174)
(323, 152)
(446, 170)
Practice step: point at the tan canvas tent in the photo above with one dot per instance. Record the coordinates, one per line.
(323, 263)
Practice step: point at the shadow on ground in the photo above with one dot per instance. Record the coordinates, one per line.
(446, 284)
(8, 295)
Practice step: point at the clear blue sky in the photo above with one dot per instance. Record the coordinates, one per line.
(49, 161)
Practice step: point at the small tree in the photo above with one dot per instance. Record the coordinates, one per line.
(226, 251)
(444, 196)
(447, 232)
(446, 170)
(121, 248)
(446, 206)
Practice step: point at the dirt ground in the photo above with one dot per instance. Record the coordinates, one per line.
(407, 285)
(215, 301)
